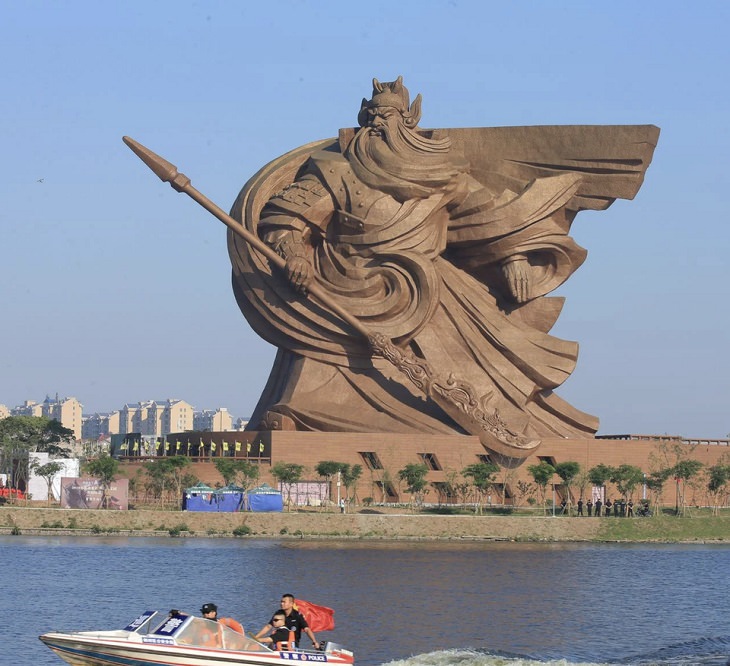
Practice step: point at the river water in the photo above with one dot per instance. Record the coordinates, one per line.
(417, 604)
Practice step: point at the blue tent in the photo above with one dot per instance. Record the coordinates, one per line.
(204, 498)
(264, 498)
(229, 498)
(199, 498)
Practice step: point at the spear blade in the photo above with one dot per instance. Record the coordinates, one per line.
(164, 170)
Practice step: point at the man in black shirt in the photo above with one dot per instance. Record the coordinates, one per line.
(279, 637)
(294, 621)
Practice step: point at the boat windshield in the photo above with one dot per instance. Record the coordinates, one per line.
(184, 629)
(200, 632)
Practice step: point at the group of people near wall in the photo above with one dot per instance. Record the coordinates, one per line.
(620, 508)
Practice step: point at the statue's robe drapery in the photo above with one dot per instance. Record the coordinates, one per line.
(427, 272)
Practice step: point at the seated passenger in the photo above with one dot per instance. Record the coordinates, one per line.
(281, 637)
(210, 612)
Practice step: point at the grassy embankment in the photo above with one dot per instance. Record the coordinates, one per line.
(668, 528)
(398, 524)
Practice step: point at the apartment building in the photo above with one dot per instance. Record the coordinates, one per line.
(67, 411)
(97, 425)
(212, 420)
(151, 418)
(156, 417)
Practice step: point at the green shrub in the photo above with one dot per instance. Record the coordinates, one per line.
(178, 529)
(242, 530)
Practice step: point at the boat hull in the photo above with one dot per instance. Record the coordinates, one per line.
(86, 650)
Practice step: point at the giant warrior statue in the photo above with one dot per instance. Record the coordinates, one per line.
(446, 242)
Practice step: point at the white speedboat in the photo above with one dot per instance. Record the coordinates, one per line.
(178, 639)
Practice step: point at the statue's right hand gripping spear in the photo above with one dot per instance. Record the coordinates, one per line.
(457, 398)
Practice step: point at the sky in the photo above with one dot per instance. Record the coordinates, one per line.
(116, 289)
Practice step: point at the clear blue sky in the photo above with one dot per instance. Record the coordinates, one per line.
(116, 289)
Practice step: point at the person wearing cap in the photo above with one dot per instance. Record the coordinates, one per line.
(210, 612)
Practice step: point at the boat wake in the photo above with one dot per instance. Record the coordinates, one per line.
(701, 652)
(478, 658)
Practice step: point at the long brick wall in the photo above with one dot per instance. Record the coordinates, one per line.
(451, 454)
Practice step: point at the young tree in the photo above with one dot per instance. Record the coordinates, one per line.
(385, 482)
(47, 472)
(718, 478)
(104, 468)
(582, 481)
(525, 490)
(166, 476)
(600, 475)
(655, 485)
(287, 474)
(507, 480)
(135, 484)
(414, 476)
(226, 467)
(237, 472)
(327, 469)
(482, 477)
(683, 471)
(464, 491)
(567, 471)
(21, 435)
(350, 475)
(626, 478)
(248, 474)
(542, 474)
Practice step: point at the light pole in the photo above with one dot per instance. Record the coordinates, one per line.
(339, 483)
(553, 499)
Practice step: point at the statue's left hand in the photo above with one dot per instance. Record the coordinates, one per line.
(300, 273)
(516, 271)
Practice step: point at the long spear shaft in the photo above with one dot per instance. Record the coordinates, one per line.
(457, 398)
(168, 173)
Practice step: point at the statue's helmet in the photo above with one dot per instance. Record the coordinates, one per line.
(395, 95)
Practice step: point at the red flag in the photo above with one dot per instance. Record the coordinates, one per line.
(319, 618)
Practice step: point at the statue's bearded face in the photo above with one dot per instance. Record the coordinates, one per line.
(388, 155)
(382, 121)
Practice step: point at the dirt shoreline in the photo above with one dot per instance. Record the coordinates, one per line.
(365, 525)
(308, 524)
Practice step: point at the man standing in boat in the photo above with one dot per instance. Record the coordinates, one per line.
(294, 621)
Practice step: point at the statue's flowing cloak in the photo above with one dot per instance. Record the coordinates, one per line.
(427, 274)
